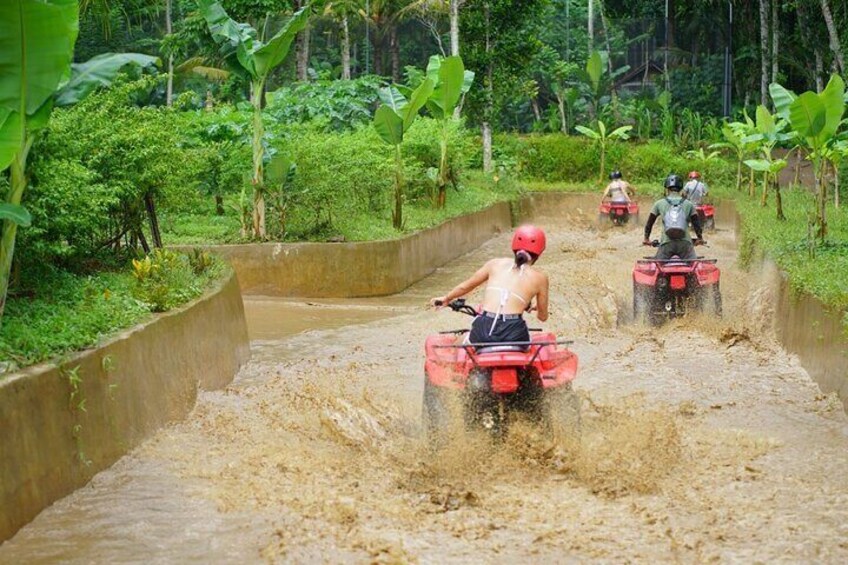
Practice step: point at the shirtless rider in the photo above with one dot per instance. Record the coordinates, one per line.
(512, 284)
(618, 190)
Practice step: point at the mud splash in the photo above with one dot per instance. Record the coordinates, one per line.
(699, 441)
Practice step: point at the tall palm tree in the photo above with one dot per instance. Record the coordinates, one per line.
(385, 17)
(341, 11)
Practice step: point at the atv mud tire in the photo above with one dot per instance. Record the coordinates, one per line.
(435, 413)
(564, 414)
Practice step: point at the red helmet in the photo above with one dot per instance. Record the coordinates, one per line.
(694, 175)
(530, 239)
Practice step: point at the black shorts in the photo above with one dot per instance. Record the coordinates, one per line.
(513, 329)
(682, 248)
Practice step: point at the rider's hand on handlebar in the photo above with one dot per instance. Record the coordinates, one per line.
(699, 241)
(438, 302)
(646, 242)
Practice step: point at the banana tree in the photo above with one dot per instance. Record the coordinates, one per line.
(815, 118)
(391, 121)
(242, 47)
(602, 138)
(38, 45)
(450, 82)
(768, 133)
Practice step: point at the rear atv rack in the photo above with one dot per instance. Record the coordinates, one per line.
(472, 354)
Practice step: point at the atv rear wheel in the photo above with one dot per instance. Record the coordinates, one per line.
(709, 300)
(642, 305)
(435, 413)
(564, 414)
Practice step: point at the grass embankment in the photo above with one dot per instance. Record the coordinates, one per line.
(62, 313)
(818, 269)
(476, 192)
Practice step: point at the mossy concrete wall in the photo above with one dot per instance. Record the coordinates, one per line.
(811, 330)
(61, 424)
(348, 270)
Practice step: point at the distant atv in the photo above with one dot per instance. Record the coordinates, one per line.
(488, 384)
(669, 288)
(619, 213)
(707, 214)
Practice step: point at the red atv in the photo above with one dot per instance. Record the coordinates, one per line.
(618, 212)
(486, 383)
(669, 288)
(707, 214)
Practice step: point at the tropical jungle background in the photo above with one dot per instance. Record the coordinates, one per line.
(128, 126)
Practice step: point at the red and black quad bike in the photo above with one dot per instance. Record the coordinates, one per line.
(707, 214)
(482, 386)
(669, 288)
(619, 213)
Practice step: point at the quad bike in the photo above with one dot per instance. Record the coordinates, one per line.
(618, 212)
(483, 385)
(707, 214)
(669, 288)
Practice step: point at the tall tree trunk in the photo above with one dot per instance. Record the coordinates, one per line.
(778, 199)
(764, 41)
(394, 50)
(258, 165)
(169, 88)
(819, 71)
(8, 228)
(454, 26)
(563, 123)
(377, 51)
(775, 40)
(537, 113)
(486, 132)
(345, 48)
(150, 205)
(488, 165)
(835, 46)
(302, 48)
(590, 25)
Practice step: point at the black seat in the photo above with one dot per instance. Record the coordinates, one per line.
(501, 348)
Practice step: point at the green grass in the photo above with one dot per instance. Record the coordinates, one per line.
(820, 269)
(476, 192)
(64, 313)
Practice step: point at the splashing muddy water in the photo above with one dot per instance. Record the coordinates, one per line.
(700, 441)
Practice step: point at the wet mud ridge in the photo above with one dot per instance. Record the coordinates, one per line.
(700, 441)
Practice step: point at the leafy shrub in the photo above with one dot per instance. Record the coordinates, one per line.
(560, 158)
(165, 279)
(336, 105)
(93, 169)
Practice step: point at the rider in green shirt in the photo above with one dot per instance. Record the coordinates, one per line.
(676, 213)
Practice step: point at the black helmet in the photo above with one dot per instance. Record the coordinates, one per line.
(673, 182)
(615, 175)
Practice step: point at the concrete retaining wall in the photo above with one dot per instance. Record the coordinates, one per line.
(348, 270)
(811, 330)
(62, 424)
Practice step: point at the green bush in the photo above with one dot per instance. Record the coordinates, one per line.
(93, 167)
(570, 159)
(165, 279)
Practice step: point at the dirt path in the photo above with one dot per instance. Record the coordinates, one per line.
(702, 441)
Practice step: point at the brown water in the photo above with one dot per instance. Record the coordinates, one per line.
(702, 441)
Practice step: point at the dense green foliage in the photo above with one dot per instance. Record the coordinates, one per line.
(92, 169)
(559, 158)
(820, 270)
(58, 313)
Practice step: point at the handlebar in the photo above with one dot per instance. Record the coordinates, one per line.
(458, 305)
(656, 242)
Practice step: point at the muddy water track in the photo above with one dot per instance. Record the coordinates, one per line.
(701, 440)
